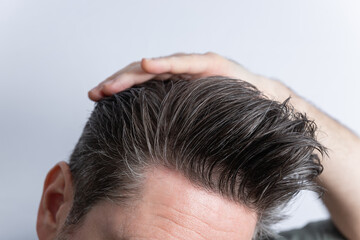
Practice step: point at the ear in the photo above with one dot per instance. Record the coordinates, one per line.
(56, 201)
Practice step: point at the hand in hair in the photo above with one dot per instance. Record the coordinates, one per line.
(342, 196)
(194, 65)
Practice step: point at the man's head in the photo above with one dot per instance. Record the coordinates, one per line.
(204, 159)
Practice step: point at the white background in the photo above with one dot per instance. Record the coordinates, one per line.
(53, 52)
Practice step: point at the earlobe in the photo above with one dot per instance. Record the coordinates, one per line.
(55, 202)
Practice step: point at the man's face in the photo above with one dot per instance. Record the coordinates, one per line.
(170, 208)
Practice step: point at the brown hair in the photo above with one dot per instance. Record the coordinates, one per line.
(221, 133)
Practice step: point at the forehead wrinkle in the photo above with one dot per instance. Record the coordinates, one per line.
(171, 190)
(188, 233)
(171, 203)
(177, 211)
(182, 226)
(166, 230)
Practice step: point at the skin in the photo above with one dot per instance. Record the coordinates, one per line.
(340, 177)
(170, 207)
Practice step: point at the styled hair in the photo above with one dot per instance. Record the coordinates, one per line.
(222, 134)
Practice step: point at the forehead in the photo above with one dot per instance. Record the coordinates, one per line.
(173, 208)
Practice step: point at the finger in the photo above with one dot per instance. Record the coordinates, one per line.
(95, 94)
(124, 80)
(119, 81)
(163, 76)
(194, 64)
(117, 75)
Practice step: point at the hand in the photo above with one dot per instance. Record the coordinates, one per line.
(343, 190)
(194, 65)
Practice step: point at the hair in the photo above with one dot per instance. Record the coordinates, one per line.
(222, 134)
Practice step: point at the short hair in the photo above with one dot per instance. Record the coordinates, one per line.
(222, 134)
